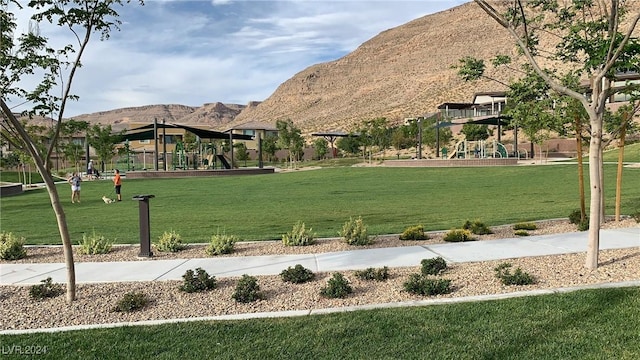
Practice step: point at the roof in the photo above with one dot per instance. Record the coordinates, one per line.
(146, 132)
(256, 125)
(481, 120)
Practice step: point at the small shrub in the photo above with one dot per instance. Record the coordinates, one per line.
(94, 244)
(131, 301)
(518, 277)
(575, 217)
(221, 244)
(433, 266)
(521, 233)
(525, 226)
(414, 233)
(354, 232)
(297, 274)
(419, 284)
(170, 242)
(636, 216)
(47, 289)
(247, 290)
(380, 274)
(337, 287)
(11, 247)
(477, 227)
(299, 236)
(583, 225)
(458, 235)
(198, 283)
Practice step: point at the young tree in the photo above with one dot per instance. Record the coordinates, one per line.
(241, 152)
(290, 138)
(72, 149)
(475, 132)
(104, 141)
(29, 56)
(270, 146)
(592, 39)
(320, 148)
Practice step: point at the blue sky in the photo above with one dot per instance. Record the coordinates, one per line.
(196, 52)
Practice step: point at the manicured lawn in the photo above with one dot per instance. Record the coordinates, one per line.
(266, 206)
(631, 153)
(591, 324)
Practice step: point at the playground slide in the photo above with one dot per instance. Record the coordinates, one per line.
(456, 148)
(223, 161)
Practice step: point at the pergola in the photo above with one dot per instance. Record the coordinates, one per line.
(150, 132)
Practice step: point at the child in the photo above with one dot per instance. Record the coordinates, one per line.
(117, 182)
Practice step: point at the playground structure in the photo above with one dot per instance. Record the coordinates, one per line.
(480, 149)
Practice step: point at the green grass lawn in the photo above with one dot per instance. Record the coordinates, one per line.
(590, 324)
(631, 154)
(264, 207)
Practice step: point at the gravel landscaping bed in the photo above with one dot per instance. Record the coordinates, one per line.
(95, 301)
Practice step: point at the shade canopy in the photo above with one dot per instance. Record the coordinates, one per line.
(146, 133)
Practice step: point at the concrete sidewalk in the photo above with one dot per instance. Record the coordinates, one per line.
(150, 270)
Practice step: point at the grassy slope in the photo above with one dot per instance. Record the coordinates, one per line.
(266, 206)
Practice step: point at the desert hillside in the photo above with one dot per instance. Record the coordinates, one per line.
(402, 72)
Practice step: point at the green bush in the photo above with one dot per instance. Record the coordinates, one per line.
(247, 290)
(221, 244)
(47, 289)
(583, 225)
(297, 274)
(131, 301)
(380, 274)
(414, 233)
(458, 235)
(525, 226)
(419, 284)
(433, 266)
(354, 232)
(575, 217)
(521, 233)
(337, 287)
(170, 242)
(11, 247)
(94, 244)
(477, 227)
(518, 277)
(198, 283)
(299, 236)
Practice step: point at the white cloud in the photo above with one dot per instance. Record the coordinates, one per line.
(195, 52)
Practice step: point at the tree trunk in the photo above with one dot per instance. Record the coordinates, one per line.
(583, 209)
(54, 198)
(623, 134)
(595, 177)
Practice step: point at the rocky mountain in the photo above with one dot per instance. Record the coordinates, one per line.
(213, 114)
(402, 72)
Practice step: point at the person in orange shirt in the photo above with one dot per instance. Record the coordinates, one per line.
(117, 182)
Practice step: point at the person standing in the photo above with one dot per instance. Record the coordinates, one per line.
(117, 183)
(75, 181)
(90, 169)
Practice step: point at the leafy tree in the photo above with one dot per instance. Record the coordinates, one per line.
(475, 132)
(320, 148)
(376, 133)
(104, 141)
(29, 59)
(349, 144)
(241, 152)
(429, 133)
(290, 138)
(591, 39)
(270, 146)
(72, 149)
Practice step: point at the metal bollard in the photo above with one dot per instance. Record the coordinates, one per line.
(145, 230)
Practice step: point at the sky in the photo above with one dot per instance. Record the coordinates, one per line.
(197, 52)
